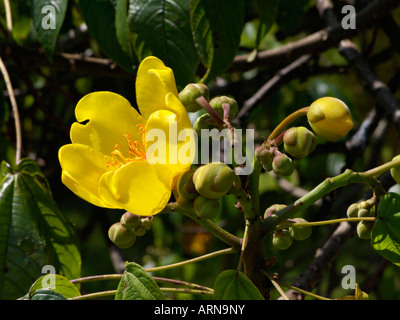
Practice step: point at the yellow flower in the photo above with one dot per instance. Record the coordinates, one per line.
(330, 118)
(109, 164)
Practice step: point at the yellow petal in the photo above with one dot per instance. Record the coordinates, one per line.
(82, 168)
(110, 117)
(154, 80)
(137, 187)
(170, 141)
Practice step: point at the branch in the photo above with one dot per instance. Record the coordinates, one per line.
(315, 42)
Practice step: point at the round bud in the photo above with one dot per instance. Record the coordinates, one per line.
(273, 209)
(121, 236)
(213, 180)
(185, 185)
(363, 213)
(207, 208)
(140, 231)
(218, 102)
(395, 172)
(185, 203)
(203, 122)
(265, 157)
(282, 239)
(130, 220)
(146, 222)
(329, 118)
(282, 165)
(299, 142)
(300, 233)
(190, 93)
(364, 229)
(352, 211)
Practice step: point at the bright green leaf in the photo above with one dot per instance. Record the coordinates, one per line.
(234, 285)
(385, 236)
(48, 17)
(61, 285)
(44, 294)
(217, 27)
(121, 26)
(33, 232)
(163, 28)
(137, 284)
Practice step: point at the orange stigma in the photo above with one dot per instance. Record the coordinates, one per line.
(136, 150)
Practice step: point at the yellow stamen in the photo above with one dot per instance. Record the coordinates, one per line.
(136, 150)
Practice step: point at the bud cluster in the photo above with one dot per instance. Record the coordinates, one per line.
(124, 233)
(360, 210)
(201, 189)
(282, 239)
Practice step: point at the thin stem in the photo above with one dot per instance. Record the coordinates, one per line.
(286, 122)
(244, 244)
(15, 110)
(8, 15)
(375, 172)
(197, 259)
(276, 285)
(186, 290)
(325, 222)
(95, 295)
(182, 283)
(117, 276)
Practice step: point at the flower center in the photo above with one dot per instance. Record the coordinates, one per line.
(136, 151)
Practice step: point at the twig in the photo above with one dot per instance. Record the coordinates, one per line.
(8, 15)
(14, 109)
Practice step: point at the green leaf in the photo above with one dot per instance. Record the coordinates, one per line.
(61, 285)
(100, 17)
(137, 284)
(163, 28)
(234, 285)
(48, 17)
(44, 294)
(121, 26)
(33, 232)
(217, 27)
(268, 11)
(385, 236)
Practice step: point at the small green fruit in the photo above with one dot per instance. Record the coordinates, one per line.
(204, 122)
(395, 172)
(185, 203)
(282, 239)
(300, 233)
(185, 185)
(265, 157)
(213, 180)
(364, 229)
(207, 208)
(282, 165)
(190, 93)
(130, 220)
(273, 209)
(299, 142)
(121, 236)
(218, 102)
(140, 231)
(352, 210)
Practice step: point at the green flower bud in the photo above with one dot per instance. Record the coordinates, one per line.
(185, 185)
(273, 209)
(217, 104)
(190, 93)
(363, 213)
(207, 208)
(213, 180)
(330, 118)
(352, 210)
(130, 220)
(205, 121)
(299, 142)
(282, 239)
(121, 236)
(282, 165)
(364, 229)
(146, 222)
(265, 157)
(395, 172)
(300, 233)
(140, 231)
(185, 203)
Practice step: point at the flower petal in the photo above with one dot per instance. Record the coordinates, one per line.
(110, 117)
(82, 168)
(154, 80)
(137, 187)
